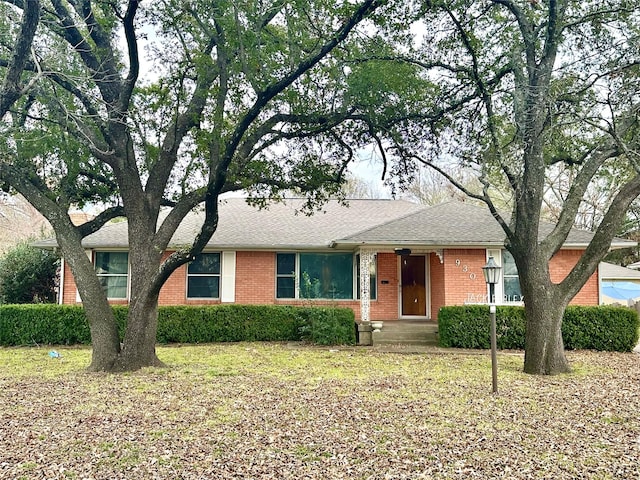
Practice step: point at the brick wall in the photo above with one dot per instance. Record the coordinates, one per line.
(463, 275)
(450, 282)
(69, 287)
(561, 264)
(174, 291)
(255, 277)
(385, 307)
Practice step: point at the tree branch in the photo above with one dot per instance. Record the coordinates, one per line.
(11, 89)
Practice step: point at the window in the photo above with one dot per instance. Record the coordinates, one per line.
(511, 281)
(372, 277)
(326, 275)
(320, 275)
(286, 275)
(203, 276)
(112, 269)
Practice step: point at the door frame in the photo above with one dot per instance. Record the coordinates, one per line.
(427, 288)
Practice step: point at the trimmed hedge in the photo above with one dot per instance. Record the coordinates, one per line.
(67, 324)
(601, 328)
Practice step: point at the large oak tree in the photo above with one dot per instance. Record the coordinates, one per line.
(227, 95)
(521, 90)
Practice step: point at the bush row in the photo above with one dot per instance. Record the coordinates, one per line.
(67, 325)
(601, 328)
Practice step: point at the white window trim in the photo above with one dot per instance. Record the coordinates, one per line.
(228, 277)
(61, 286)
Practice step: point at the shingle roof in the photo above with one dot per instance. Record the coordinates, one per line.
(374, 222)
(450, 224)
(609, 271)
(242, 226)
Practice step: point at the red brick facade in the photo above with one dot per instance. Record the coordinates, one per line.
(454, 277)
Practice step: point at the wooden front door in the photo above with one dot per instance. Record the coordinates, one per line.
(414, 286)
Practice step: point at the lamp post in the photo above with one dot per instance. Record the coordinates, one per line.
(491, 272)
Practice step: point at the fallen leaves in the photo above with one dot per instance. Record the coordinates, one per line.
(267, 411)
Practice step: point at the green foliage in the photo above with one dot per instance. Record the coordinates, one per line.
(468, 327)
(43, 324)
(227, 323)
(600, 328)
(67, 324)
(28, 275)
(328, 326)
(596, 328)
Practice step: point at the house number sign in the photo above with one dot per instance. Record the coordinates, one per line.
(465, 269)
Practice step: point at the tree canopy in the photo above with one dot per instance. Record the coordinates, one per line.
(526, 92)
(139, 107)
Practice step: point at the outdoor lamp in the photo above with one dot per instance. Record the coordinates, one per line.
(491, 272)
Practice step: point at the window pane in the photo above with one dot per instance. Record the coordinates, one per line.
(115, 286)
(326, 275)
(372, 286)
(508, 264)
(286, 263)
(203, 287)
(512, 290)
(112, 263)
(205, 263)
(285, 287)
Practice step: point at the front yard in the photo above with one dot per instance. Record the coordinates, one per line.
(241, 411)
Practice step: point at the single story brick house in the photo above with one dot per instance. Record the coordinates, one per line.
(385, 259)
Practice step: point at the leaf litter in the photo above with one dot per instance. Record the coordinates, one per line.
(277, 411)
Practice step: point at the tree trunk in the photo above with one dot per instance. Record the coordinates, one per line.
(139, 344)
(104, 330)
(544, 348)
(544, 306)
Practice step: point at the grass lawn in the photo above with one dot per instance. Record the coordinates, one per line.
(273, 411)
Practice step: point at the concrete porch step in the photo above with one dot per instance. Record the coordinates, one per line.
(407, 333)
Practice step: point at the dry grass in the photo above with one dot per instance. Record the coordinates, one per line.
(292, 412)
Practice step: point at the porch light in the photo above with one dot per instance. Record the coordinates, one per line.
(403, 251)
(491, 272)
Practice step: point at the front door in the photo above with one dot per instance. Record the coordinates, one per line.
(414, 286)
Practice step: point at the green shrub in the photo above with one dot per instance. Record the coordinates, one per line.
(469, 326)
(28, 275)
(65, 325)
(601, 328)
(43, 324)
(328, 326)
